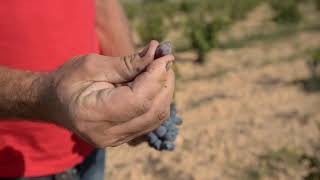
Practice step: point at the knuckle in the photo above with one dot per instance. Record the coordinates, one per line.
(88, 61)
(90, 56)
(163, 115)
(127, 62)
(148, 56)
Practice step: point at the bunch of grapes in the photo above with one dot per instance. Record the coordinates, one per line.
(163, 137)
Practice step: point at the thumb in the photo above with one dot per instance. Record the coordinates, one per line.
(126, 68)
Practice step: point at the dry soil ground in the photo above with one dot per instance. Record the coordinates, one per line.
(246, 113)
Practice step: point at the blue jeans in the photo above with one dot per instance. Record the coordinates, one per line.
(92, 168)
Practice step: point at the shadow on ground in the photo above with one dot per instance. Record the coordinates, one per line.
(311, 85)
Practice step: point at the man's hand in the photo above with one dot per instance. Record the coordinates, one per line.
(105, 100)
(109, 101)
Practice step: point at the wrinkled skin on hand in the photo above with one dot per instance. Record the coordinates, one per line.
(111, 100)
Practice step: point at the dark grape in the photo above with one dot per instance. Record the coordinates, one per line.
(163, 137)
(152, 138)
(168, 146)
(173, 108)
(161, 131)
(172, 127)
(157, 144)
(163, 49)
(177, 121)
(166, 123)
(170, 136)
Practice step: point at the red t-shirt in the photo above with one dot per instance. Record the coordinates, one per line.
(40, 35)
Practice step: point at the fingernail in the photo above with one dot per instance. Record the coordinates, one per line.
(169, 65)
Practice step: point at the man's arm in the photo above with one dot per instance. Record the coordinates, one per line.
(20, 93)
(112, 28)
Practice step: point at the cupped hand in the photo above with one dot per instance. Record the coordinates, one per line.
(111, 100)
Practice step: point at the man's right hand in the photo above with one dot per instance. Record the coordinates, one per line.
(111, 100)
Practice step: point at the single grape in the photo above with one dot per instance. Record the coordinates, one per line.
(172, 127)
(177, 120)
(172, 117)
(157, 144)
(166, 123)
(161, 131)
(152, 138)
(166, 145)
(176, 131)
(163, 49)
(170, 136)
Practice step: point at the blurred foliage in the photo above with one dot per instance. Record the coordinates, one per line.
(286, 11)
(200, 21)
(203, 34)
(317, 2)
(273, 162)
(188, 6)
(282, 161)
(286, 155)
(207, 18)
(164, 7)
(131, 9)
(313, 161)
(153, 27)
(314, 63)
(239, 9)
(233, 9)
(314, 167)
(154, 18)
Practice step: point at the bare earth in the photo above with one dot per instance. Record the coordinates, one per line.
(244, 104)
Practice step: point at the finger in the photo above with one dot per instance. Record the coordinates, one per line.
(126, 68)
(127, 102)
(145, 50)
(149, 121)
(164, 100)
(136, 99)
(137, 141)
(121, 104)
(149, 83)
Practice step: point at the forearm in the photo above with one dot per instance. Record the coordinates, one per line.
(112, 28)
(21, 94)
